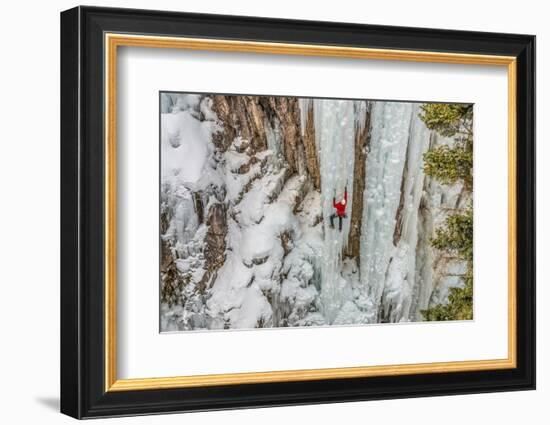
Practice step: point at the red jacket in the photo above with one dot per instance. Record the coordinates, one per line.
(341, 206)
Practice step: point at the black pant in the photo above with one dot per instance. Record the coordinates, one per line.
(340, 219)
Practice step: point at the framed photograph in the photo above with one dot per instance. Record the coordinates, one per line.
(261, 212)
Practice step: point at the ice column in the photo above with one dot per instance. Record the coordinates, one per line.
(390, 126)
(335, 125)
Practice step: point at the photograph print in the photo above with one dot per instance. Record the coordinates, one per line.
(279, 211)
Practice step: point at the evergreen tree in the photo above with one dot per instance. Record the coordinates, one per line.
(448, 119)
(450, 164)
(456, 235)
(459, 305)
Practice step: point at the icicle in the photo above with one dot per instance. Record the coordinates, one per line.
(391, 123)
(273, 135)
(335, 137)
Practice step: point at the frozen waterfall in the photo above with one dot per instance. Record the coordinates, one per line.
(392, 197)
(336, 124)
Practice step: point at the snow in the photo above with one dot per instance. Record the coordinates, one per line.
(300, 288)
(185, 143)
(255, 253)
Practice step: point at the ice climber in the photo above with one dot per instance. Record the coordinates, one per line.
(340, 210)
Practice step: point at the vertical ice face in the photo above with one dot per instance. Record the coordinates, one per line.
(335, 127)
(393, 190)
(390, 129)
(400, 271)
(401, 277)
(413, 184)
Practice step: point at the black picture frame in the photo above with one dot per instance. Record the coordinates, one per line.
(83, 392)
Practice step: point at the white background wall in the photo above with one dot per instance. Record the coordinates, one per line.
(29, 212)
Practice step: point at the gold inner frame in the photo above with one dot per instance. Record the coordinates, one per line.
(113, 41)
